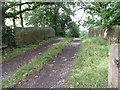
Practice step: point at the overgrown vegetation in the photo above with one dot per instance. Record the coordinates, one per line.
(83, 34)
(39, 14)
(12, 52)
(58, 16)
(8, 36)
(35, 65)
(102, 14)
(74, 31)
(91, 65)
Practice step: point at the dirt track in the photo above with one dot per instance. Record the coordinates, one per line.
(55, 73)
(15, 63)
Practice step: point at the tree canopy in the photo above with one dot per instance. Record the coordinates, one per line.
(58, 15)
(51, 14)
(103, 14)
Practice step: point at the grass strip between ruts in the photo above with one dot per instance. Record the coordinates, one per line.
(35, 65)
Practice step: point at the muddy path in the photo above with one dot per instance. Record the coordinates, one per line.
(15, 63)
(54, 74)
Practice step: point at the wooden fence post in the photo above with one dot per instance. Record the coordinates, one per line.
(114, 66)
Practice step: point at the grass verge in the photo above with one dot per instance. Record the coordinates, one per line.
(91, 65)
(10, 53)
(35, 65)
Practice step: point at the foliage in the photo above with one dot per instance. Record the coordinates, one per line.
(42, 14)
(83, 34)
(8, 36)
(10, 9)
(35, 65)
(58, 14)
(73, 30)
(55, 15)
(91, 65)
(103, 14)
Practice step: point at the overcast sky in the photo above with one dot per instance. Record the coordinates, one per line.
(80, 16)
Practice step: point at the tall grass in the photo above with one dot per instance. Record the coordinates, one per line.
(91, 65)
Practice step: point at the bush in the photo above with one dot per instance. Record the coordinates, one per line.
(8, 36)
(73, 30)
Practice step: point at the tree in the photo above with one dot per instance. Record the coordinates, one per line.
(40, 14)
(21, 17)
(7, 7)
(74, 30)
(55, 15)
(104, 14)
(14, 10)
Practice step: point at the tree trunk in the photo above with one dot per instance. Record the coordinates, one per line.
(3, 14)
(21, 16)
(14, 24)
(3, 20)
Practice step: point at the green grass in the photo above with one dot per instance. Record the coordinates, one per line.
(91, 65)
(35, 65)
(10, 53)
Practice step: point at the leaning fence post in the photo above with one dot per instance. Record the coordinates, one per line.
(114, 66)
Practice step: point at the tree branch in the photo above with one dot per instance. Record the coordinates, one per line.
(18, 4)
(13, 15)
(9, 15)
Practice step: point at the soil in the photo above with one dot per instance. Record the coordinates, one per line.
(55, 73)
(15, 63)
